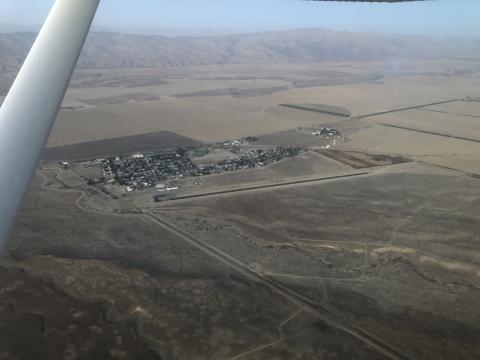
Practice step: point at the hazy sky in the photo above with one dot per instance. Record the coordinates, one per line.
(440, 17)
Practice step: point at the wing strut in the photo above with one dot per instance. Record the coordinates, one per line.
(31, 106)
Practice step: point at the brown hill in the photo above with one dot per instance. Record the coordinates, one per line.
(114, 50)
(119, 50)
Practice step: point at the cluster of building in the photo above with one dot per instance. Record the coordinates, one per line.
(243, 141)
(140, 171)
(160, 170)
(325, 131)
(252, 159)
(64, 164)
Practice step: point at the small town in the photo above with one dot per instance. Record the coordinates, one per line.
(141, 171)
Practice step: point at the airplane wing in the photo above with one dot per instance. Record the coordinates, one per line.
(32, 104)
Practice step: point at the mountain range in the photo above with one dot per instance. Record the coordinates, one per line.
(117, 50)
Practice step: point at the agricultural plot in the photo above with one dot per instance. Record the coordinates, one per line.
(120, 99)
(439, 150)
(431, 121)
(320, 108)
(461, 108)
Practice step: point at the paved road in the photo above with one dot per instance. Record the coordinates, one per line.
(326, 315)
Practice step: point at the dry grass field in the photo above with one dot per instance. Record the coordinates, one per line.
(395, 252)
(464, 108)
(216, 118)
(436, 122)
(155, 290)
(382, 263)
(439, 150)
(446, 135)
(307, 165)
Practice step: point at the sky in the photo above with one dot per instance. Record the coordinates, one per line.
(443, 18)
